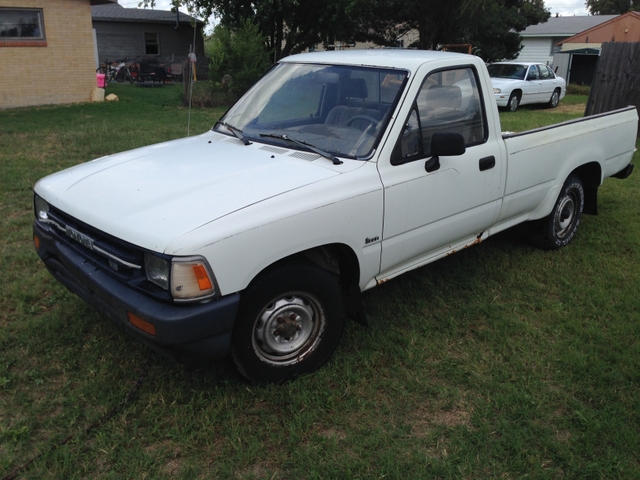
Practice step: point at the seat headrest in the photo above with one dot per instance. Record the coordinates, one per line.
(356, 88)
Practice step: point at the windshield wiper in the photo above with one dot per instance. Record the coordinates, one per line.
(313, 148)
(236, 133)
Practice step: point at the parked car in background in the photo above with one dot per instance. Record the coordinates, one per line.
(522, 83)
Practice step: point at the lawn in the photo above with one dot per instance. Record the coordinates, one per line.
(502, 361)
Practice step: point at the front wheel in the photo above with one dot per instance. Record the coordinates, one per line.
(555, 99)
(289, 323)
(559, 228)
(514, 102)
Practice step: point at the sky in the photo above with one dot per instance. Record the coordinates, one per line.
(564, 8)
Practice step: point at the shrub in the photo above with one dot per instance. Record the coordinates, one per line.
(573, 89)
(238, 59)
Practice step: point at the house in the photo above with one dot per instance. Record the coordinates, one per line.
(541, 41)
(136, 33)
(46, 52)
(579, 53)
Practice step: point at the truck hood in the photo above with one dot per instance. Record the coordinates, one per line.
(154, 194)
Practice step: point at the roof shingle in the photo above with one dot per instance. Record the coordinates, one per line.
(117, 13)
(565, 26)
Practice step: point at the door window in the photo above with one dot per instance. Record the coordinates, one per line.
(448, 102)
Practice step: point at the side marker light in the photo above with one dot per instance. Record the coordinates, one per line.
(143, 325)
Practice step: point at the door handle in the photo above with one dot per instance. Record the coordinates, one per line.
(487, 163)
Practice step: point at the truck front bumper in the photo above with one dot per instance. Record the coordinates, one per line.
(181, 331)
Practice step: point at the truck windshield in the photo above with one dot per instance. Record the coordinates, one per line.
(342, 110)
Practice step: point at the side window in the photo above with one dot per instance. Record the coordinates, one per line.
(151, 44)
(533, 73)
(545, 74)
(448, 102)
(22, 27)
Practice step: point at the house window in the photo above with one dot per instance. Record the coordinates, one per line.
(21, 27)
(151, 44)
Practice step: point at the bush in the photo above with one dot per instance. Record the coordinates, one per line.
(238, 59)
(573, 89)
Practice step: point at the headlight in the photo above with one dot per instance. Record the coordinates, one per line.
(496, 90)
(191, 279)
(41, 208)
(157, 270)
(187, 278)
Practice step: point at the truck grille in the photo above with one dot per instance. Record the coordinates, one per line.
(108, 253)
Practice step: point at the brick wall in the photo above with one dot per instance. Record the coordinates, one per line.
(60, 71)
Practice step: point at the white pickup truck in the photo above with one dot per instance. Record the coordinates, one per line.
(336, 172)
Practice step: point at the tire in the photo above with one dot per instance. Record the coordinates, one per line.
(514, 102)
(559, 228)
(121, 75)
(555, 99)
(289, 323)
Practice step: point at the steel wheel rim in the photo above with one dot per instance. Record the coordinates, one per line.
(566, 216)
(288, 329)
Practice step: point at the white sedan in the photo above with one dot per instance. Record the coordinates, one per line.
(521, 83)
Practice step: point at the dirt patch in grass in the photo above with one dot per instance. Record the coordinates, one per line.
(425, 420)
(570, 109)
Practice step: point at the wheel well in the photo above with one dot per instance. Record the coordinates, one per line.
(591, 176)
(336, 258)
(517, 93)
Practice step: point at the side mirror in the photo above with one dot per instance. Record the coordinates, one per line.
(444, 145)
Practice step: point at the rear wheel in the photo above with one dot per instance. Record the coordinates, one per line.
(555, 99)
(289, 323)
(514, 102)
(559, 228)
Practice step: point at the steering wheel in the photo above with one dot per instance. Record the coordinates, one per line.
(365, 118)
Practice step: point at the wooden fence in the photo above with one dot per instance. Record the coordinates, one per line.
(616, 83)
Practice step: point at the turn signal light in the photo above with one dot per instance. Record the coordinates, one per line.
(36, 242)
(204, 283)
(143, 325)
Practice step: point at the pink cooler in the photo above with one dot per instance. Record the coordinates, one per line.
(100, 77)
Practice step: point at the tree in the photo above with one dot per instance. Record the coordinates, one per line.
(291, 26)
(610, 7)
(288, 26)
(490, 26)
(238, 58)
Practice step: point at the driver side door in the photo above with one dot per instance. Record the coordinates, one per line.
(428, 213)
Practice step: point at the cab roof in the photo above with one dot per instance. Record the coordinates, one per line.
(384, 57)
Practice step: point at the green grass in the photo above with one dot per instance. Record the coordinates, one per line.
(501, 361)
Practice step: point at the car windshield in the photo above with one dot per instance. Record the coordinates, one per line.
(341, 110)
(507, 70)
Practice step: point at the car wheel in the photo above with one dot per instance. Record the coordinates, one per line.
(559, 228)
(289, 323)
(514, 101)
(555, 99)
